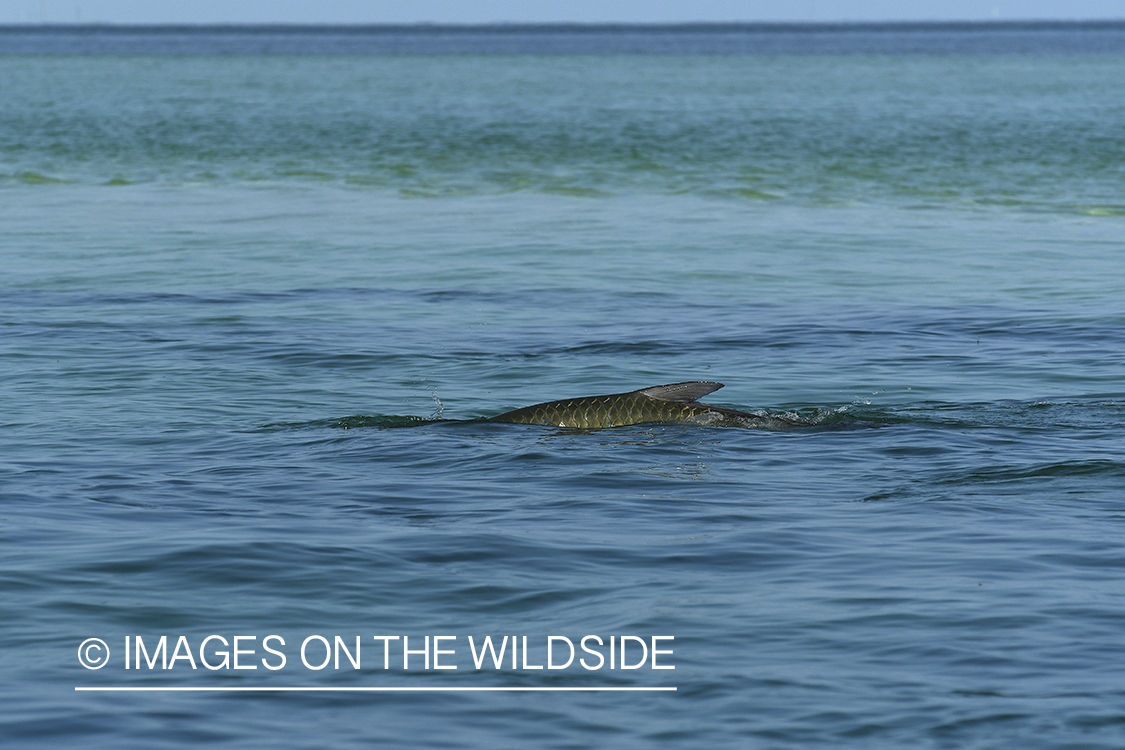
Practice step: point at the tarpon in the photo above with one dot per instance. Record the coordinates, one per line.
(675, 402)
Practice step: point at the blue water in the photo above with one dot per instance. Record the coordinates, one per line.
(254, 300)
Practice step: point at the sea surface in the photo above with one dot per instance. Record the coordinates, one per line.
(258, 287)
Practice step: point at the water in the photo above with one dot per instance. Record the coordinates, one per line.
(252, 305)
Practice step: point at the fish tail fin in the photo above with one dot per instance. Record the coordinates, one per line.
(681, 393)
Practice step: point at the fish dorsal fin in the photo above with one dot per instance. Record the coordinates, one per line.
(681, 393)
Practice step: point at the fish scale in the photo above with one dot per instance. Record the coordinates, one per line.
(667, 403)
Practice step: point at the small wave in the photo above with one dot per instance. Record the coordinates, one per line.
(380, 421)
(1102, 210)
(1073, 468)
(36, 178)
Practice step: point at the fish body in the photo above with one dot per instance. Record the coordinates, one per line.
(676, 402)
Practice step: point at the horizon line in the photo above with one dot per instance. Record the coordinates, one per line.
(567, 26)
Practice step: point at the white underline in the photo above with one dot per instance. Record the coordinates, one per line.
(294, 689)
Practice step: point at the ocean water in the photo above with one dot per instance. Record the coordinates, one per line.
(257, 290)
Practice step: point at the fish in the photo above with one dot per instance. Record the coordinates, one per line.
(675, 402)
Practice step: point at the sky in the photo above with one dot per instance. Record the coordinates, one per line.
(543, 11)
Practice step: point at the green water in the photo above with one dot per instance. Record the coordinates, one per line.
(976, 133)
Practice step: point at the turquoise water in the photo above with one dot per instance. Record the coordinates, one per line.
(251, 305)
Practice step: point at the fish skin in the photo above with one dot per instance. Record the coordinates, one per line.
(675, 402)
